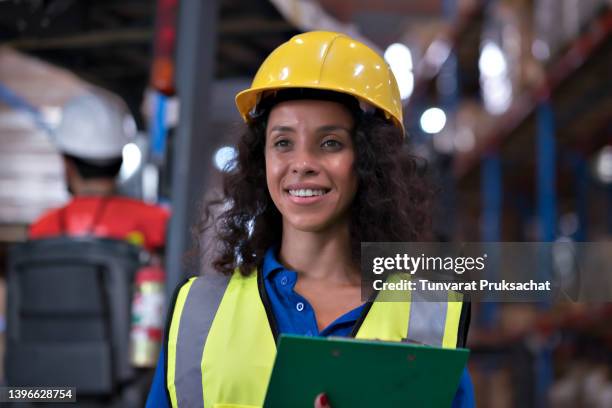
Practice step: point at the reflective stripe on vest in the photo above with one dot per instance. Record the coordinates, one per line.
(221, 348)
(428, 318)
(192, 319)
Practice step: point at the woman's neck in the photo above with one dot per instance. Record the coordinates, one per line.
(323, 256)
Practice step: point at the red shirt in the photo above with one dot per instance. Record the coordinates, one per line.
(110, 217)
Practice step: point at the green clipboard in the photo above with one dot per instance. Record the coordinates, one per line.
(363, 373)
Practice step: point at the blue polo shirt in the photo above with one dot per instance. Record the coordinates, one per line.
(294, 315)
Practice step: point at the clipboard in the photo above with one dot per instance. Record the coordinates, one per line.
(363, 373)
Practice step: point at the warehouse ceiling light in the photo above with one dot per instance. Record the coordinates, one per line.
(224, 158)
(494, 80)
(399, 58)
(492, 62)
(433, 120)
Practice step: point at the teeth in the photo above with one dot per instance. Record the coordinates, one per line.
(306, 192)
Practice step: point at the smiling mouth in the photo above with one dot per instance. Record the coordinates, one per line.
(305, 192)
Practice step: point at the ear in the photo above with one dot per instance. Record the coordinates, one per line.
(69, 166)
(72, 174)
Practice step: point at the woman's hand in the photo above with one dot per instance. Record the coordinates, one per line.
(321, 401)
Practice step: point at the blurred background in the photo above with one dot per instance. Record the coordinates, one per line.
(510, 101)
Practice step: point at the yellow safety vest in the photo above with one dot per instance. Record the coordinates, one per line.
(220, 340)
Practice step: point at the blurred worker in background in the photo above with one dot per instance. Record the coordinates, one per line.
(93, 131)
(95, 127)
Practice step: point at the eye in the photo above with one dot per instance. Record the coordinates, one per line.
(282, 143)
(331, 144)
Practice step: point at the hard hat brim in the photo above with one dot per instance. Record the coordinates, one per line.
(248, 99)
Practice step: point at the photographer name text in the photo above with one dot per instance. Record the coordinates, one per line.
(474, 285)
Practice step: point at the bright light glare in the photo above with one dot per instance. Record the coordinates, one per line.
(400, 55)
(433, 120)
(224, 158)
(492, 62)
(604, 165)
(132, 158)
(150, 182)
(358, 70)
(399, 58)
(52, 115)
(495, 83)
(284, 74)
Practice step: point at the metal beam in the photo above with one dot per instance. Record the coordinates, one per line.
(197, 43)
(546, 172)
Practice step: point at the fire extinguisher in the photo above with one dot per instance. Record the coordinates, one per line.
(147, 316)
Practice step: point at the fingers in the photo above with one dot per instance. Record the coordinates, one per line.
(321, 401)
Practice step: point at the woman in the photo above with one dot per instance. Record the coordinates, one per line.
(318, 171)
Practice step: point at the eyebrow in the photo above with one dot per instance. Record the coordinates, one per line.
(280, 128)
(331, 128)
(325, 128)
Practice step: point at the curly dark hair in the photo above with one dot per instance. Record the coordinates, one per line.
(392, 203)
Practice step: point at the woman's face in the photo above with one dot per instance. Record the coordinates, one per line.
(310, 163)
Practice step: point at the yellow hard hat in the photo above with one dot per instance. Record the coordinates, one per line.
(327, 61)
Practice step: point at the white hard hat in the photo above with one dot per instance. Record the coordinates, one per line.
(95, 125)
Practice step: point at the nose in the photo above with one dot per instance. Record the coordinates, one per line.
(304, 163)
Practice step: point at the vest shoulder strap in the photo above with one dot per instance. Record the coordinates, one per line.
(437, 319)
(191, 318)
(218, 336)
(240, 347)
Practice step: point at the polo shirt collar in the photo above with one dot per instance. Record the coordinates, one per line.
(271, 263)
